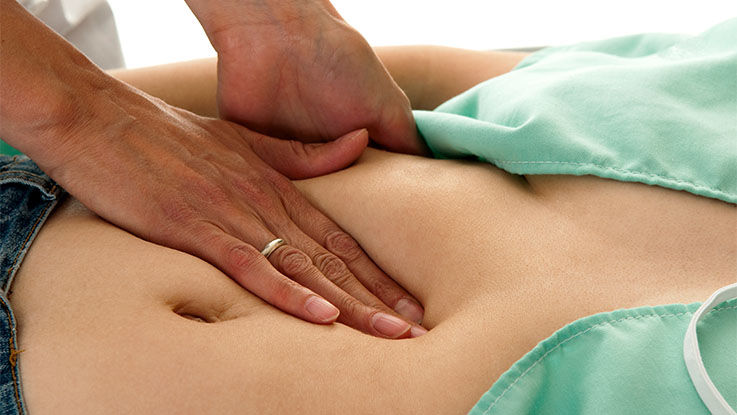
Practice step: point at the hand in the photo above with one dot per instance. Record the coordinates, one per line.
(298, 70)
(200, 185)
(205, 186)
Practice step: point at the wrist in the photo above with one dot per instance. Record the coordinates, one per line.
(57, 121)
(233, 25)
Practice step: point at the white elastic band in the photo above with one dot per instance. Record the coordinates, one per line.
(709, 394)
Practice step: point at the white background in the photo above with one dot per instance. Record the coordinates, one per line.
(160, 31)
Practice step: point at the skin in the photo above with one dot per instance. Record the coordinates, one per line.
(499, 263)
(209, 187)
(422, 72)
(296, 69)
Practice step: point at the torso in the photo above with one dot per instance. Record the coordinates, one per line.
(498, 262)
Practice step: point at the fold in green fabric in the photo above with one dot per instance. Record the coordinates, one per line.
(622, 362)
(656, 108)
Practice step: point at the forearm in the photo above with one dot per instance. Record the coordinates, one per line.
(49, 89)
(190, 85)
(430, 75)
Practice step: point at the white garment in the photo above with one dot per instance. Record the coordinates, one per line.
(87, 24)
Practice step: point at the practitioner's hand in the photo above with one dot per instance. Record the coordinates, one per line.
(205, 186)
(208, 187)
(296, 69)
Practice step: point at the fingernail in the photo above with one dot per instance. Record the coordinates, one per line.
(410, 309)
(321, 309)
(352, 135)
(417, 331)
(389, 325)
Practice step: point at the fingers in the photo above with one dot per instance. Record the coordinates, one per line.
(395, 129)
(255, 206)
(341, 260)
(409, 142)
(249, 268)
(298, 160)
(354, 313)
(371, 276)
(295, 294)
(322, 158)
(308, 263)
(344, 262)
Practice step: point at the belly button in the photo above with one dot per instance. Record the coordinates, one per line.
(194, 318)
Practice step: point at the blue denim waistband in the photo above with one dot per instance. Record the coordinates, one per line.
(27, 197)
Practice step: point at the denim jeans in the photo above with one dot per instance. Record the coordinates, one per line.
(27, 197)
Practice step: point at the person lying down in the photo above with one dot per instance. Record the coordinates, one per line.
(559, 277)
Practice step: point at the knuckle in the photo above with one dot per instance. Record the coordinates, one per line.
(241, 257)
(283, 293)
(381, 289)
(255, 194)
(333, 268)
(178, 211)
(298, 149)
(281, 184)
(277, 181)
(354, 310)
(204, 232)
(208, 192)
(343, 245)
(293, 261)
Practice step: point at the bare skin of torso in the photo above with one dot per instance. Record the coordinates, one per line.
(110, 323)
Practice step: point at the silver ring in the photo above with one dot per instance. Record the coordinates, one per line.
(272, 246)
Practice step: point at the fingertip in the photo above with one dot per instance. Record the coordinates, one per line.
(418, 145)
(350, 146)
(417, 331)
(390, 326)
(323, 158)
(410, 142)
(401, 135)
(360, 136)
(410, 310)
(321, 310)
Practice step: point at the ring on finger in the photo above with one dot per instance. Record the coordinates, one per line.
(272, 246)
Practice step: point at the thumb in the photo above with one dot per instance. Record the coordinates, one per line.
(396, 131)
(298, 160)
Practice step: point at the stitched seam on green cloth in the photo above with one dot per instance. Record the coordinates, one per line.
(523, 374)
(672, 179)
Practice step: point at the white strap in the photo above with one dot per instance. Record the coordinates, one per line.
(709, 394)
